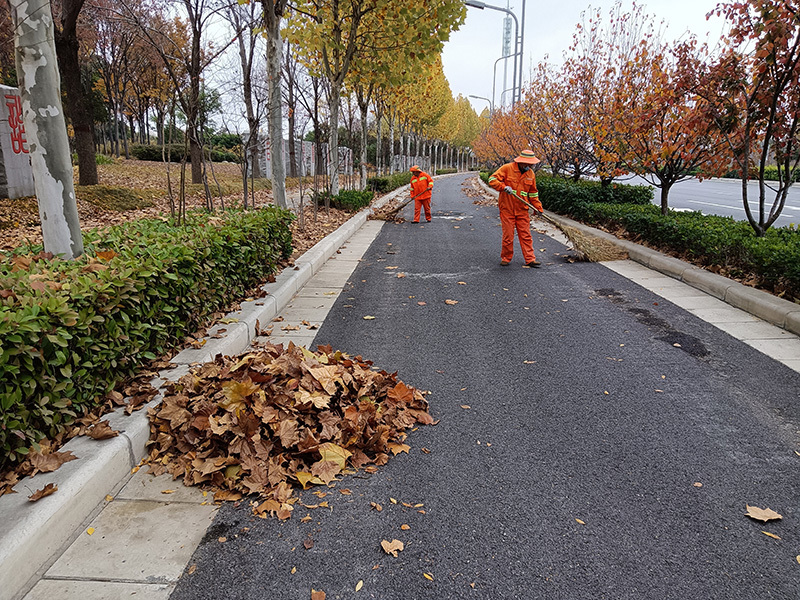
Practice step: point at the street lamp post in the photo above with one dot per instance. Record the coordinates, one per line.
(491, 104)
(518, 44)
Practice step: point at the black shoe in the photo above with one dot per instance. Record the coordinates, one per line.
(533, 263)
(504, 263)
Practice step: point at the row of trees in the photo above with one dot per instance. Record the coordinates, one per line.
(135, 64)
(627, 101)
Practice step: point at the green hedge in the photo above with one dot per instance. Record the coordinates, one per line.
(176, 153)
(567, 193)
(70, 330)
(446, 171)
(770, 174)
(352, 200)
(381, 185)
(707, 239)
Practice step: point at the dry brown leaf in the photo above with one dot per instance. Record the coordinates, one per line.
(50, 488)
(222, 539)
(376, 506)
(422, 303)
(392, 547)
(191, 570)
(761, 514)
(368, 318)
(451, 302)
(359, 585)
(317, 594)
(308, 543)
(772, 535)
(405, 527)
(466, 406)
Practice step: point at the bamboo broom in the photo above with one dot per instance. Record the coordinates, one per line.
(588, 247)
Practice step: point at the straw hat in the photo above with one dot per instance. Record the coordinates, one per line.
(527, 157)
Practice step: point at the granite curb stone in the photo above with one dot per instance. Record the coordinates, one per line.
(31, 534)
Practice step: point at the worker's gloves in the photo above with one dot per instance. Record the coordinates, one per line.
(508, 189)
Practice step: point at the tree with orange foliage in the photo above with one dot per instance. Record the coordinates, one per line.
(753, 94)
(666, 135)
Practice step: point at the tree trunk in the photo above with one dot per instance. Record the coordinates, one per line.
(665, 187)
(45, 127)
(272, 22)
(333, 141)
(79, 106)
(391, 143)
(378, 145)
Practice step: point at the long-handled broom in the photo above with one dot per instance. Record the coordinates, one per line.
(588, 247)
(389, 214)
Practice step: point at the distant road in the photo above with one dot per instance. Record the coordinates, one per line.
(724, 197)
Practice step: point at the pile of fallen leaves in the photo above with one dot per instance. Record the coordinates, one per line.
(259, 423)
(473, 189)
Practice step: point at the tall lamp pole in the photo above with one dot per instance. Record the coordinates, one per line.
(517, 77)
(491, 104)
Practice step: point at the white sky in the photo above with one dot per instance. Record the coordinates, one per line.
(471, 52)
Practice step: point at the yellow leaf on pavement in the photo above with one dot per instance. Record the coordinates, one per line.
(359, 585)
(772, 535)
(428, 577)
(90, 531)
(368, 318)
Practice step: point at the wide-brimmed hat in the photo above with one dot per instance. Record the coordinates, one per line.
(528, 157)
(415, 168)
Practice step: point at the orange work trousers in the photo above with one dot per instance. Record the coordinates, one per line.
(519, 220)
(419, 204)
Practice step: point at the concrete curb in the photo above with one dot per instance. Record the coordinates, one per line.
(32, 535)
(779, 312)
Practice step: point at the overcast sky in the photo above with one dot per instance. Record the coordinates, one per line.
(471, 52)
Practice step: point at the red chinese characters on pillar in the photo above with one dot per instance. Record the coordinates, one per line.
(18, 141)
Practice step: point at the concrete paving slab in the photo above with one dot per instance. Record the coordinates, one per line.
(755, 331)
(792, 364)
(312, 315)
(320, 292)
(337, 268)
(723, 315)
(778, 349)
(297, 340)
(330, 280)
(631, 269)
(693, 299)
(143, 486)
(303, 303)
(141, 541)
(50, 589)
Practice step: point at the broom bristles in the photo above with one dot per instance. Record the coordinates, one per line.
(590, 247)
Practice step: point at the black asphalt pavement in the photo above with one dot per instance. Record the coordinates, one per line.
(594, 441)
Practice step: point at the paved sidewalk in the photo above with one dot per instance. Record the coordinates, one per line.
(143, 535)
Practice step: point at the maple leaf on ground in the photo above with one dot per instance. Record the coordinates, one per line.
(50, 488)
(317, 594)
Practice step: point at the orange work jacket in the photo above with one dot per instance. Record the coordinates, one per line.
(422, 184)
(522, 183)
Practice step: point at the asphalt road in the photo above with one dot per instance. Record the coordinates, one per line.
(596, 410)
(724, 197)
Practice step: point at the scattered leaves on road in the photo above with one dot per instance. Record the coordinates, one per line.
(762, 514)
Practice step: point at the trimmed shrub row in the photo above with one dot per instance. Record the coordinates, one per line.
(70, 330)
(446, 171)
(175, 153)
(352, 200)
(706, 239)
(381, 185)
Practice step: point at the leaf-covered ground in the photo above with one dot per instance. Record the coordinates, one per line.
(124, 182)
(134, 189)
(274, 419)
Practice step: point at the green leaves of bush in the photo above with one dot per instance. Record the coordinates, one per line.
(353, 200)
(381, 185)
(774, 260)
(70, 330)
